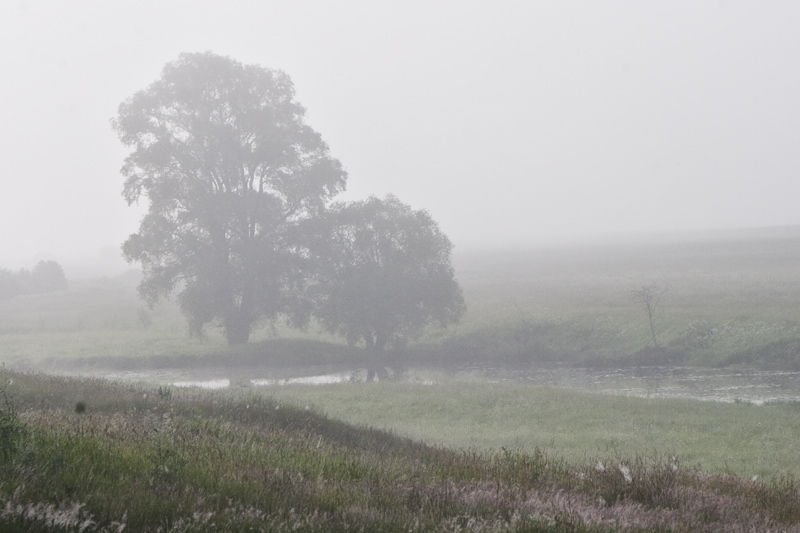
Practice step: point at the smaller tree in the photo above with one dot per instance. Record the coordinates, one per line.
(650, 296)
(9, 284)
(386, 274)
(48, 276)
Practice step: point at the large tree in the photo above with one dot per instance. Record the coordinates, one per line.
(387, 274)
(222, 153)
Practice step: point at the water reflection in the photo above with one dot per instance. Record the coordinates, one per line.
(309, 380)
(751, 386)
(206, 384)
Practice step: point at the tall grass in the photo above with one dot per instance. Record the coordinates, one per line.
(143, 459)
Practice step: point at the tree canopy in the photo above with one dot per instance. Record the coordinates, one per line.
(229, 167)
(46, 276)
(387, 273)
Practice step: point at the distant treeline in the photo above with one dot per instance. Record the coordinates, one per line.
(46, 276)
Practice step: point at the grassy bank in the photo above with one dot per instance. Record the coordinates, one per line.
(92, 456)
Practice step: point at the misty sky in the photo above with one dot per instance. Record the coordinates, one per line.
(511, 122)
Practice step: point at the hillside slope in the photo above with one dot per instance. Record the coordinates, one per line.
(90, 455)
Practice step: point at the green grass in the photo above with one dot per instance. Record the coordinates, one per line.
(148, 459)
(740, 438)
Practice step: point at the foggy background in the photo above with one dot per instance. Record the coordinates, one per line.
(513, 123)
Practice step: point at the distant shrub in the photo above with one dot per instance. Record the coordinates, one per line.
(9, 284)
(658, 356)
(783, 354)
(699, 334)
(46, 276)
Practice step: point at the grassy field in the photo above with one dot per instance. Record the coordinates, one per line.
(103, 322)
(88, 455)
(739, 439)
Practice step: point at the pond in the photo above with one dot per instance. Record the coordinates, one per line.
(720, 385)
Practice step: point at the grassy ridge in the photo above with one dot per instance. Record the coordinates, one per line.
(169, 460)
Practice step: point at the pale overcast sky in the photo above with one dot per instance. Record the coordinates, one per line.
(511, 122)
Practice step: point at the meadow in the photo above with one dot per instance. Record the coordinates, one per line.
(92, 455)
(739, 439)
(392, 456)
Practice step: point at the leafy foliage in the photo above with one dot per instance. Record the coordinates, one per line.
(229, 167)
(388, 273)
(46, 276)
(9, 284)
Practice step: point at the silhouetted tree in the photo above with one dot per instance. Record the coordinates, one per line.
(387, 274)
(9, 284)
(650, 296)
(48, 276)
(229, 167)
(24, 279)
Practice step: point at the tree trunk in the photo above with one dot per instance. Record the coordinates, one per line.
(237, 329)
(236, 334)
(377, 358)
(652, 327)
(239, 319)
(370, 358)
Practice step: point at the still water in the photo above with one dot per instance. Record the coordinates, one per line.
(720, 385)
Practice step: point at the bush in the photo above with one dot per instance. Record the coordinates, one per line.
(46, 276)
(782, 354)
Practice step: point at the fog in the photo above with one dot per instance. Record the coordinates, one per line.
(513, 123)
